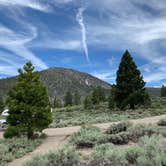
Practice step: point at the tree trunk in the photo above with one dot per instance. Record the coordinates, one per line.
(30, 134)
(132, 106)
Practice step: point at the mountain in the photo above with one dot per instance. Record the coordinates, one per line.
(59, 80)
(154, 91)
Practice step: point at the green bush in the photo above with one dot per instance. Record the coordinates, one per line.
(15, 148)
(132, 153)
(140, 130)
(11, 132)
(150, 151)
(108, 155)
(88, 136)
(120, 138)
(162, 122)
(62, 157)
(117, 128)
(154, 151)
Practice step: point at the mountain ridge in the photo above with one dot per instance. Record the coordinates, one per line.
(59, 80)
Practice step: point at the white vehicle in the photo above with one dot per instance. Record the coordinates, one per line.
(3, 121)
(5, 112)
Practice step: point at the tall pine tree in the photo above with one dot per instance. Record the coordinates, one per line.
(130, 86)
(56, 103)
(2, 105)
(98, 95)
(28, 103)
(163, 91)
(68, 99)
(76, 98)
(88, 102)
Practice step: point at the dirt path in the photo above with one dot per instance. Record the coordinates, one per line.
(58, 137)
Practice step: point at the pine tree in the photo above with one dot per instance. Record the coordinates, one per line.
(28, 103)
(111, 102)
(56, 103)
(101, 93)
(88, 102)
(98, 95)
(68, 99)
(2, 105)
(163, 91)
(130, 86)
(77, 98)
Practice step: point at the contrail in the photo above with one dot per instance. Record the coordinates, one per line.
(80, 20)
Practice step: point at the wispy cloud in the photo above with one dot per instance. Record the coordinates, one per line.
(114, 25)
(105, 75)
(139, 28)
(57, 44)
(33, 4)
(9, 64)
(80, 20)
(16, 43)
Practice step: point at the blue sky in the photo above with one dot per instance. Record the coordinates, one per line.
(87, 35)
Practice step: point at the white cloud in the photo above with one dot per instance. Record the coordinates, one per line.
(57, 44)
(9, 64)
(80, 19)
(137, 25)
(63, 1)
(105, 75)
(16, 43)
(130, 25)
(34, 4)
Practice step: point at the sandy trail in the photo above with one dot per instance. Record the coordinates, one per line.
(57, 137)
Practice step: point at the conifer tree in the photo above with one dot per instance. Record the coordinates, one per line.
(56, 103)
(163, 91)
(68, 99)
(88, 102)
(28, 103)
(77, 98)
(130, 86)
(98, 95)
(111, 102)
(2, 105)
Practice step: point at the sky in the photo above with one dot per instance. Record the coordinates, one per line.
(87, 35)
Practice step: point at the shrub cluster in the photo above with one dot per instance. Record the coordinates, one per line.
(108, 155)
(117, 128)
(150, 151)
(119, 134)
(119, 139)
(88, 136)
(153, 151)
(162, 122)
(15, 148)
(140, 130)
(62, 157)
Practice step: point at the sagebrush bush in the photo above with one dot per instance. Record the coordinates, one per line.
(132, 153)
(102, 114)
(139, 130)
(87, 136)
(16, 147)
(154, 151)
(120, 138)
(162, 122)
(63, 157)
(108, 155)
(117, 128)
(150, 151)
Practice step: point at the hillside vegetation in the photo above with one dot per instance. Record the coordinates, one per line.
(77, 115)
(59, 80)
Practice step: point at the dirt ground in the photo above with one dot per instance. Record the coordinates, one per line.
(57, 137)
